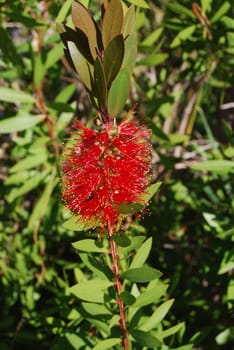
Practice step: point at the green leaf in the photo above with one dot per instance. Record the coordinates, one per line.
(140, 3)
(100, 84)
(145, 339)
(154, 36)
(89, 246)
(128, 298)
(81, 65)
(142, 254)
(171, 331)
(183, 35)
(91, 291)
(217, 166)
(29, 162)
(223, 9)
(113, 58)
(151, 191)
(120, 88)
(19, 123)
(15, 96)
(129, 208)
(180, 9)
(76, 223)
(153, 60)
(65, 94)
(28, 186)
(129, 22)
(64, 11)
(112, 21)
(96, 309)
(141, 274)
(150, 296)
(53, 56)
(130, 54)
(41, 206)
(107, 344)
(157, 316)
(84, 21)
(122, 240)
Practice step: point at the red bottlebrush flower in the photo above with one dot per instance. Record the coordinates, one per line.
(103, 169)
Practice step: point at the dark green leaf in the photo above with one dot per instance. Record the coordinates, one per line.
(141, 274)
(145, 339)
(119, 93)
(113, 58)
(128, 298)
(99, 84)
(112, 21)
(122, 240)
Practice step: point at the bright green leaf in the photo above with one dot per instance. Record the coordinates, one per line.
(15, 96)
(90, 246)
(91, 291)
(150, 296)
(19, 123)
(217, 166)
(157, 316)
(107, 344)
(183, 35)
(223, 9)
(140, 3)
(129, 22)
(142, 254)
(153, 60)
(29, 162)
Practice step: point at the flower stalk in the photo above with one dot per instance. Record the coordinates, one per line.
(118, 285)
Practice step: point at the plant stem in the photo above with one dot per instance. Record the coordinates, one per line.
(118, 289)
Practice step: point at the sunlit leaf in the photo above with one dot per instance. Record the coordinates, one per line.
(157, 316)
(129, 22)
(15, 96)
(142, 254)
(107, 344)
(19, 123)
(140, 3)
(91, 291)
(89, 245)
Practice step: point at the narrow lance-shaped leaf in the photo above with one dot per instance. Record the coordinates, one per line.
(84, 21)
(129, 22)
(112, 21)
(81, 65)
(120, 88)
(130, 52)
(99, 84)
(113, 58)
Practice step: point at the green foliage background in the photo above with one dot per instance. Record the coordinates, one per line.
(183, 84)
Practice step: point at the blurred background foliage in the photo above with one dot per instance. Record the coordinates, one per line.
(183, 87)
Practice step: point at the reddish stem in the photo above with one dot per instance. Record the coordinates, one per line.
(118, 286)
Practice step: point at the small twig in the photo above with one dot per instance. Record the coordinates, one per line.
(118, 289)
